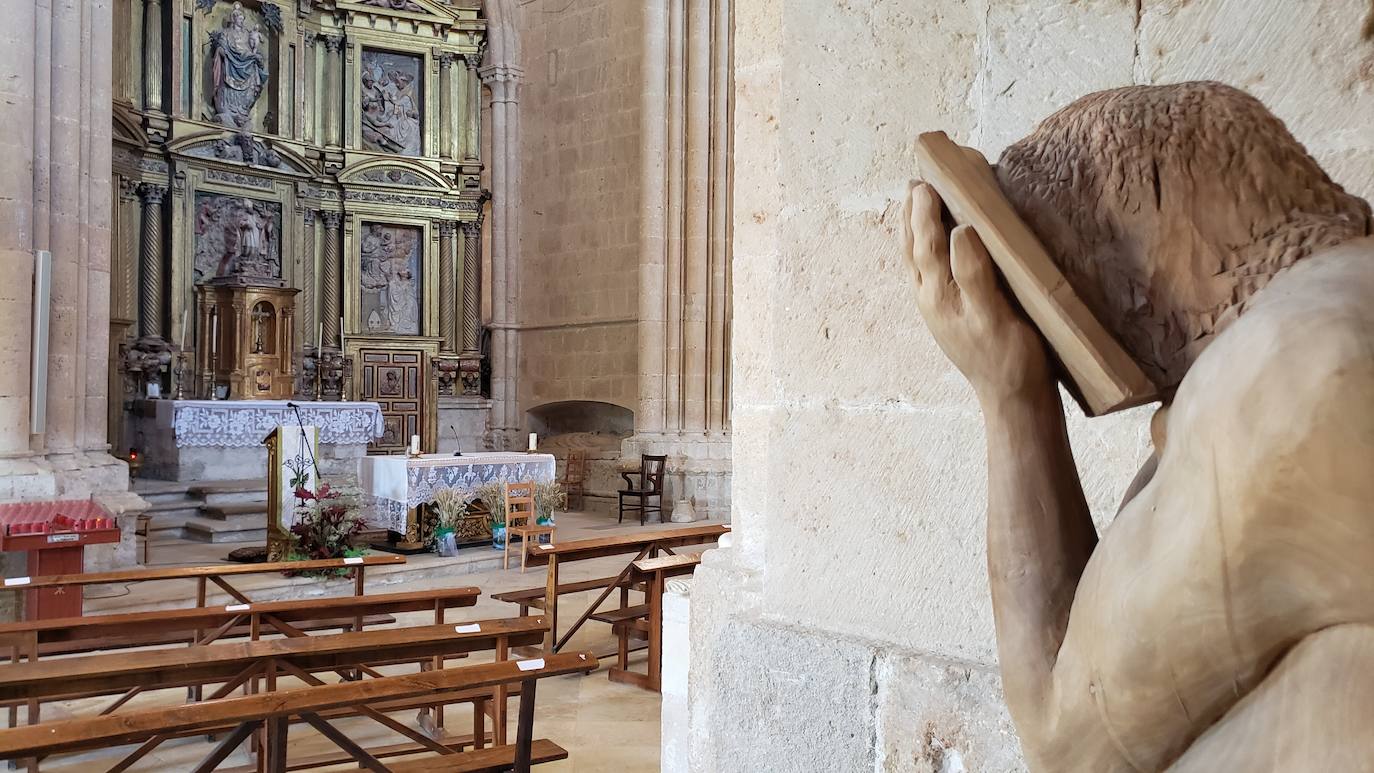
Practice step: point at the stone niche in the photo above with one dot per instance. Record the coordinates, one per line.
(597, 429)
(236, 236)
(391, 103)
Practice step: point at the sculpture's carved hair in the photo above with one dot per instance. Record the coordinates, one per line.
(1167, 207)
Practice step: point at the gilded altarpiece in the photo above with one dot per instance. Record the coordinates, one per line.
(326, 148)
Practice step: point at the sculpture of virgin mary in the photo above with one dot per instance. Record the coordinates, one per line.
(239, 70)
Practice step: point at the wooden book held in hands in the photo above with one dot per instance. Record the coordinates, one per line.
(1101, 375)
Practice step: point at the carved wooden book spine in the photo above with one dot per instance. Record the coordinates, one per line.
(1100, 373)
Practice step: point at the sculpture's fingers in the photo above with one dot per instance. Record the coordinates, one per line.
(972, 266)
(908, 238)
(930, 249)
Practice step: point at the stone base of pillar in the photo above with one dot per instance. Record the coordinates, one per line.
(698, 470)
(470, 373)
(465, 424)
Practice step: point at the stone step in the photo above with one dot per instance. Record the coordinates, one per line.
(257, 509)
(229, 492)
(213, 530)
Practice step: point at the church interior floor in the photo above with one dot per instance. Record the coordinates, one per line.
(603, 725)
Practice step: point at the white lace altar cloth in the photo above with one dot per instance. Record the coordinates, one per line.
(244, 423)
(394, 484)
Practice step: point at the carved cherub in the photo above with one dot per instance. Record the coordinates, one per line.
(1225, 620)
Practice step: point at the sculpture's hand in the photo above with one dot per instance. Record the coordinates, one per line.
(966, 308)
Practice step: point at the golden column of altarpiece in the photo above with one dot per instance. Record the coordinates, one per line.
(296, 185)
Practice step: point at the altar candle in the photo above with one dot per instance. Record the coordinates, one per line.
(414, 445)
(214, 333)
(534, 441)
(319, 339)
(183, 329)
(341, 334)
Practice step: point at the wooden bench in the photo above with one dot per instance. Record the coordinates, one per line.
(643, 544)
(528, 598)
(232, 665)
(202, 575)
(646, 621)
(269, 716)
(202, 625)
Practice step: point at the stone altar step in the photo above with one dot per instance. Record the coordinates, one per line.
(229, 492)
(224, 512)
(251, 529)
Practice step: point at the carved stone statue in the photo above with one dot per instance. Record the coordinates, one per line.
(1225, 620)
(238, 70)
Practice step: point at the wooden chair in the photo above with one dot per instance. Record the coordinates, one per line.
(575, 478)
(649, 486)
(520, 515)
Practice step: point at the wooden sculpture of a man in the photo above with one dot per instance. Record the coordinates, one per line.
(1225, 620)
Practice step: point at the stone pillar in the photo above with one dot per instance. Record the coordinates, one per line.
(653, 222)
(152, 56)
(472, 87)
(677, 131)
(448, 124)
(309, 297)
(309, 83)
(448, 291)
(333, 92)
(718, 300)
(150, 281)
(331, 293)
(696, 215)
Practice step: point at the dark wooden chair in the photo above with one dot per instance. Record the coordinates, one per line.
(648, 486)
(575, 478)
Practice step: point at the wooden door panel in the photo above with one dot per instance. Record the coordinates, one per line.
(395, 380)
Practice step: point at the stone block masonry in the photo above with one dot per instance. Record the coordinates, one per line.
(851, 612)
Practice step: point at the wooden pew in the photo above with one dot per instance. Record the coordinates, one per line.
(271, 714)
(217, 574)
(527, 598)
(654, 572)
(232, 665)
(644, 544)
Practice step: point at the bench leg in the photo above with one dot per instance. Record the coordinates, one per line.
(479, 723)
(524, 731)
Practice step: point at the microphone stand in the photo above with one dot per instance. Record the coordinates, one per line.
(459, 440)
(305, 440)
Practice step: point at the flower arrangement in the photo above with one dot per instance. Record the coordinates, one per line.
(327, 520)
(449, 506)
(494, 496)
(548, 497)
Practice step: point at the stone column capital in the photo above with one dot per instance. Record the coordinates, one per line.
(333, 43)
(308, 218)
(447, 228)
(446, 59)
(151, 193)
(309, 37)
(472, 229)
(331, 219)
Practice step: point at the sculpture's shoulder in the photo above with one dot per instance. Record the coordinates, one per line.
(1303, 348)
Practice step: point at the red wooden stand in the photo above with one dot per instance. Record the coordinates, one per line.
(55, 536)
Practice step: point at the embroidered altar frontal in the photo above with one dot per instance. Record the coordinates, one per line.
(395, 484)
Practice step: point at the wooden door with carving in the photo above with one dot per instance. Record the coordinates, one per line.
(395, 379)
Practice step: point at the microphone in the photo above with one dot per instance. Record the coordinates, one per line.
(292, 405)
(458, 452)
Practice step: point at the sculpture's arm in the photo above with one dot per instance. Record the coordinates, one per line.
(1040, 533)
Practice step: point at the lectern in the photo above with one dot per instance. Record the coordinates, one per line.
(291, 465)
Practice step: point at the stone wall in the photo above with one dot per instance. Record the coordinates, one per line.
(579, 225)
(848, 626)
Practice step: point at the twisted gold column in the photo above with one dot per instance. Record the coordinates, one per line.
(330, 292)
(448, 292)
(150, 261)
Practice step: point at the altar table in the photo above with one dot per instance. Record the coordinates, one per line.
(396, 485)
(222, 439)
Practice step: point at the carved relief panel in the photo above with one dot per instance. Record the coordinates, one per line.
(390, 108)
(237, 236)
(389, 278)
